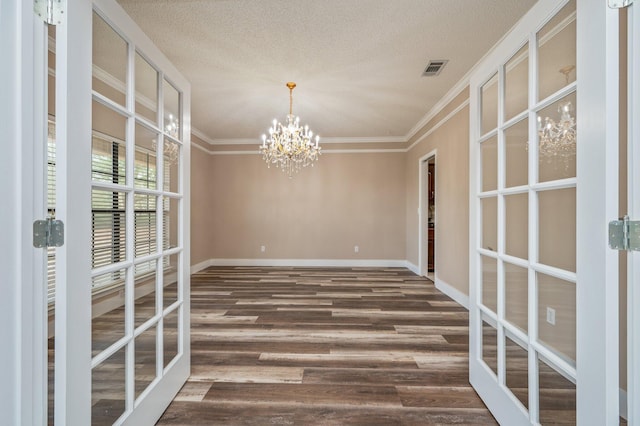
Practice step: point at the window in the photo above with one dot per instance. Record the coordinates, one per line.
(108, 210)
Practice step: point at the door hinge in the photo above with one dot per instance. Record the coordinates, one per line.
(624, 234)
(48, 233)
(619, 4)
(50, 11)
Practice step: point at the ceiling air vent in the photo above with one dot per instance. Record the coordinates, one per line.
(434, 67)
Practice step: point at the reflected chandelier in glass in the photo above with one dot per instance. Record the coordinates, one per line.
(289, 146)
(557, 139)
(171, 150)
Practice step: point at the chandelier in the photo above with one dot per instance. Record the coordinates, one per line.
(558, 139)
(289, 146)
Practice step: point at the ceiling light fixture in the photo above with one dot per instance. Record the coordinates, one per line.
(290, 147)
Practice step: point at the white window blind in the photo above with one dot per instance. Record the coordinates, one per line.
(108, 210)
(51, 206)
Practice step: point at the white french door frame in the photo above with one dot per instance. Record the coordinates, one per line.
(633, 268)
(596, 371)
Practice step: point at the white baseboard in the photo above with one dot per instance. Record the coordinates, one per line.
(200, 266)
(413, 268)
(452, 292)
(623, 404)
(348, 263)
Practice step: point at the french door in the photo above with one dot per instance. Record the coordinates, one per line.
(118, 288)
(544, 183)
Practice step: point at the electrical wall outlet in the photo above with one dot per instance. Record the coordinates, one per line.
(551, 316)
(263, 248)
(356, 249)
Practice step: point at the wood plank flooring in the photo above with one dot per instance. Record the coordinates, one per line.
(340, 346)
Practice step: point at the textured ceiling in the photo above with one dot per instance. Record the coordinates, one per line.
(357, 63)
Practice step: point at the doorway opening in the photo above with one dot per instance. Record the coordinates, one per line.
(431, 217)
(428, 216)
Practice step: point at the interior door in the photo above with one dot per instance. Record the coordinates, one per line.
(122, 189)
(543, 167)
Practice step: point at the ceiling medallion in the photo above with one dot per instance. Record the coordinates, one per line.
(290, 147)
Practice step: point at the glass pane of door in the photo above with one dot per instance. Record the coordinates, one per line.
(557, 395)
(557, 51)
(516, 84)
(517, 369)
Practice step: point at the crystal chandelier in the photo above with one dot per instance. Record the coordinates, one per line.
(558, 139)
(290, 147)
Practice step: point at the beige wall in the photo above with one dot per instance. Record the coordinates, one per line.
(346, 199)
(451, 140)
(201, 204)
(321, 213)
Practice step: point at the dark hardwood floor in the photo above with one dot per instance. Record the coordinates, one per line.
(306, 346)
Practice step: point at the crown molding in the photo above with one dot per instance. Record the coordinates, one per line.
(239, 141)
(363, 151)
(448, 97)
(438, 124)
(331, 140)
(323, 152)
(200, 135)
(371, 139)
